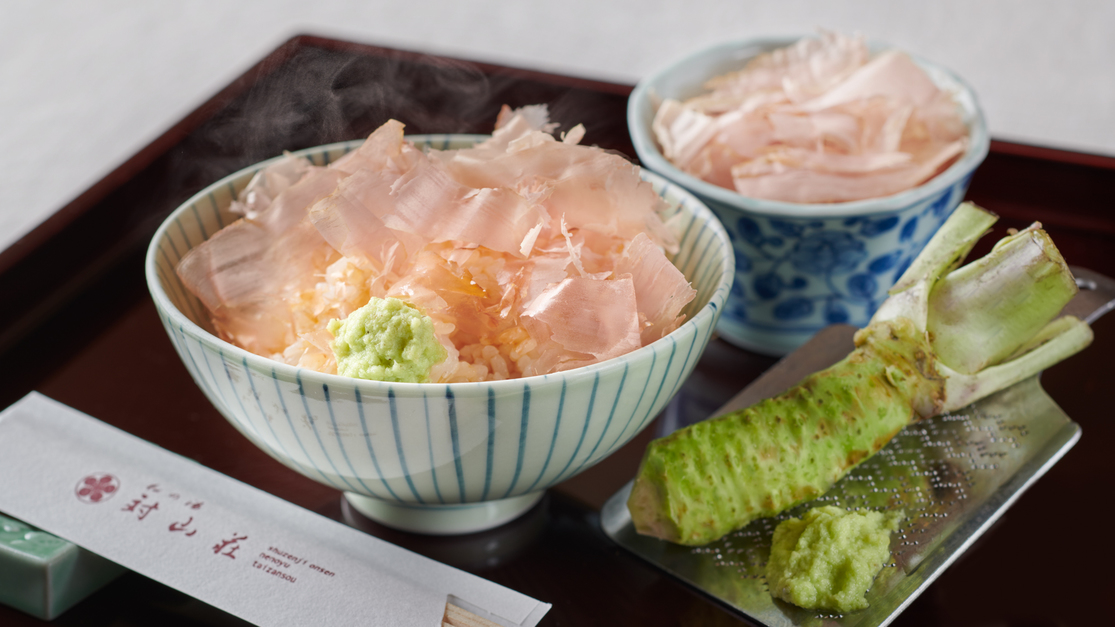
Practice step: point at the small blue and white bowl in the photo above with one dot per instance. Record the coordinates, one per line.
(437, 458)
(801, 267)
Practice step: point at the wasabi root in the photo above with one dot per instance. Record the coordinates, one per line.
(945, 338)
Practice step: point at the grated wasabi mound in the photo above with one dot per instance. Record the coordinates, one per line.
(828, 558)
(386, 340)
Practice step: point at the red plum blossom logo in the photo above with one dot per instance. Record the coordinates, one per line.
(97, 488)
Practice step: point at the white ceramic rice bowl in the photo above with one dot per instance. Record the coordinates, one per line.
(436, 458)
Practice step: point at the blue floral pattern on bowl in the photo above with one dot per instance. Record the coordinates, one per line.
(796, 276)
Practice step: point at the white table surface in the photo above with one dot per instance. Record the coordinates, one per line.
(85, 84)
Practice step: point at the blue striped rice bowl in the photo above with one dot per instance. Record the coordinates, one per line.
(436, 458)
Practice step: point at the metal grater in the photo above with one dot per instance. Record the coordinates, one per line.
(953, 476)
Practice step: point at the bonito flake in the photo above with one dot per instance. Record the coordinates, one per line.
(816, 122)
(531, 254)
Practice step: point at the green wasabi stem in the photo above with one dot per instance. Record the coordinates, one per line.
(1002, 305)
(712, 477)
(978, 315)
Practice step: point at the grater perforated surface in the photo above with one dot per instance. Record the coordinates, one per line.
(952, 475)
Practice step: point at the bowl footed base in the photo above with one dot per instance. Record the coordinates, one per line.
(764, 341)
(443, 519)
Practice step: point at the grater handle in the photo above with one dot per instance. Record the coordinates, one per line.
(1095, 298)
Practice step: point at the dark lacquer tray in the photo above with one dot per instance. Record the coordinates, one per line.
(81, 272)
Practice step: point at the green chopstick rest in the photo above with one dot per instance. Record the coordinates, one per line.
(44, 575)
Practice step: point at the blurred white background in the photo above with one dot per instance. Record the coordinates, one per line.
(84, 84)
